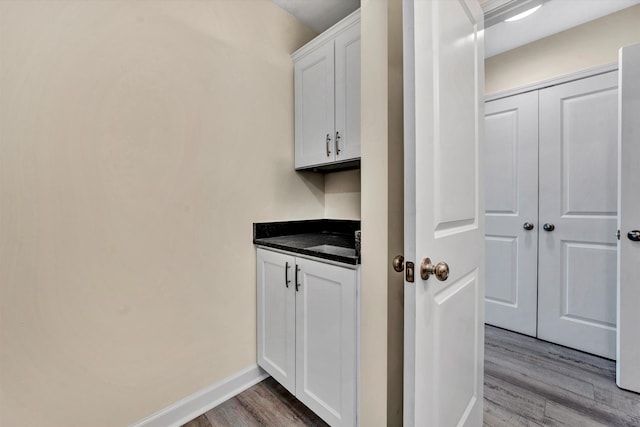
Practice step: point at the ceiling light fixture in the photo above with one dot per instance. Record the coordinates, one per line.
(523, 14)
(497, 11)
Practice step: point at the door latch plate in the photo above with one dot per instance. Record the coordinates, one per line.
(409, 267)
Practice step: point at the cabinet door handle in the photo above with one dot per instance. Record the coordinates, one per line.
(297, 284)
(328, 145)
(286, 274)
(338, 143)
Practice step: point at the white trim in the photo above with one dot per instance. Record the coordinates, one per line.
(601, 69)
(202, 401)
(330, 34)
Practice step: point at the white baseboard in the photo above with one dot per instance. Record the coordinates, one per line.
(200, 402)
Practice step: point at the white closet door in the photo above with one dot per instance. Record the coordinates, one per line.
(628, 368)
(578, 198)
(511, 201)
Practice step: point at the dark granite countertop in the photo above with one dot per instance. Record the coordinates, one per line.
(321, 238)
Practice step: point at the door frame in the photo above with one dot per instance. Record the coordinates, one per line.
(565, 78)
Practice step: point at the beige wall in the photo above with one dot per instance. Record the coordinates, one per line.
(585, 46)
(138, 142)
(373, 298)
(342, 195)
(382, 213)
(395, 212)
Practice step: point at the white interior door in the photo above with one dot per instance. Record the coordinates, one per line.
(444, 212)
(511, 206)
(578, 181)
(628, 366)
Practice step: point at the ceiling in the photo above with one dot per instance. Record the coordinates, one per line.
(318, 14)
(553, 17)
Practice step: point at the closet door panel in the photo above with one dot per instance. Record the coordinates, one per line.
(578, 182)
(511, 200)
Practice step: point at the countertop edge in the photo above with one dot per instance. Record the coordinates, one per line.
(313, 254)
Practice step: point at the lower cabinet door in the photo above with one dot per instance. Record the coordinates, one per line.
(326, 315)
(276, 316)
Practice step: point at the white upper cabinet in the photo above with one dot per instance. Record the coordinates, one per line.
(314, 122)
(327, 98)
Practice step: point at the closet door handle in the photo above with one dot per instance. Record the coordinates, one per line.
(549, 227)
(328, 145)
(528, 226)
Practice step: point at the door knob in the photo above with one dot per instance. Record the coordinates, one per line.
(398, 263)
(527, 226)
(634, 235)
(549, 227)
(440, 270)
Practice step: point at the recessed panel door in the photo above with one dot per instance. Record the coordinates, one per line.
(314, 107)
(444, 212)
(347, 135)
(326, 319)
(628, 366)
(578, 214)
(276, 316)
(511, 206)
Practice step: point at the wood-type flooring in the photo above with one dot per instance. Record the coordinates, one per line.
(527, 382)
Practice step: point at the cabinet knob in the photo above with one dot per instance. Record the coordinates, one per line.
(549, 227)
(634, 235)
(527, 226)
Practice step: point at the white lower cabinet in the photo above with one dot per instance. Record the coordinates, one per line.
(308, 332)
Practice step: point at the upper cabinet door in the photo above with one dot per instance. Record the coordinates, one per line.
(314, 107)
(347, 135)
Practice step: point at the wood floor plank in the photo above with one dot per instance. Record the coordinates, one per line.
(265, 404)
(547, 375)
(560, 415)
(572, 401)
(622, 400)
(528, 383)
(498, 416)
(512, 404)
(201, 421)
